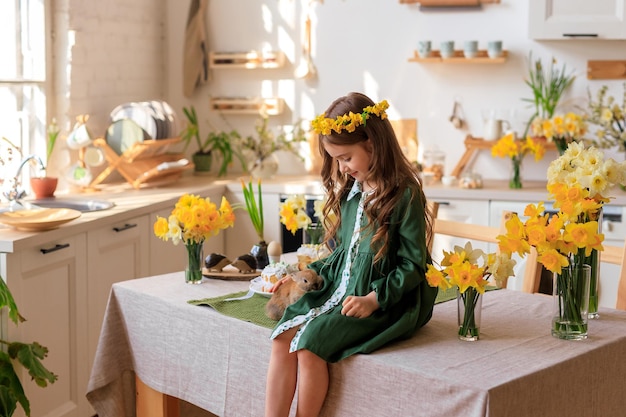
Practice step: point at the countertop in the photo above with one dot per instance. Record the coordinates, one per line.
(131, 202)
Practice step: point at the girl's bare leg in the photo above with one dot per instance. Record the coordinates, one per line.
(312, 383)
(281, 376)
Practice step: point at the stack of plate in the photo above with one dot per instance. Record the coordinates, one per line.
(137, 121)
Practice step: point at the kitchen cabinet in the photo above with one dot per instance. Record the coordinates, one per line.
(115, 252)
(49, 283)
(577, 19)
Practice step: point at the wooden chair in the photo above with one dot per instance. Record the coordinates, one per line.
(615, 255)
(472, 232)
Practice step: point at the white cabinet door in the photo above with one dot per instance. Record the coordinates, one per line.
(49, 284)
(577, 19)
(116, 252)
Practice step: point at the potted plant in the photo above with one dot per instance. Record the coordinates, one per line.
(29, 355)
(216, 144)
(43, 185)
(254, 207)
(263, 163)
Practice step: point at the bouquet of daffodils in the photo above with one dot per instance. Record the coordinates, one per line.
(560, 129)
(509, 146)
(578, 182)
(194, 219)
(609, 116)
(294, 216)
(469, 269)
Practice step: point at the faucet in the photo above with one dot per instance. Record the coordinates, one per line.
(15, 193)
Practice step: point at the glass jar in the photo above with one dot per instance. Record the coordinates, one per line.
(433, 166)
(471, 180)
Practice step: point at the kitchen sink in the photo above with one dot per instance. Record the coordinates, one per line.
(83, 205)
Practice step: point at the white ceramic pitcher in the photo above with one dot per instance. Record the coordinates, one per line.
(494, 128)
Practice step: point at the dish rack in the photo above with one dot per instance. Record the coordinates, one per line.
(143, 163)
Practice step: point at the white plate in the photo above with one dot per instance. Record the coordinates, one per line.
(256, 285)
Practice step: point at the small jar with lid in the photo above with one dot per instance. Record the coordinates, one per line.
(433, 166)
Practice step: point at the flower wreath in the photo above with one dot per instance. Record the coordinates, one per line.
(323, 125)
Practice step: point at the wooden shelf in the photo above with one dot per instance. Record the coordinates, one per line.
(232, 105)
(459, 58)
(247, 60)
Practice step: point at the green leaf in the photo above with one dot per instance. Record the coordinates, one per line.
(11, 390)
(6, 300)
(30, 355)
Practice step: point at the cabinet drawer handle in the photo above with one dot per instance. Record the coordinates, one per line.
(56, 247)
(580, 35)
(125, 227)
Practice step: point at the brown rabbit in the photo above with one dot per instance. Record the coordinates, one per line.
(291, 291)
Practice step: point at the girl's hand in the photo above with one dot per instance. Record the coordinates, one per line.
(279, 283)
(360, 307)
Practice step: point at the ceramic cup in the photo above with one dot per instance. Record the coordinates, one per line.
(423, 48)
(494, 49)
(446, 49)
(470, 49)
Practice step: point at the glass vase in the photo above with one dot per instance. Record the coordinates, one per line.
(571, 302)
(515, 180)
(593, 260)
(469, 306)
(193, 271)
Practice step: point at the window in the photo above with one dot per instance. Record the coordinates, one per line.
(22, 81)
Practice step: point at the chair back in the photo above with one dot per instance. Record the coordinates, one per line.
(611, 254)
(471, 232)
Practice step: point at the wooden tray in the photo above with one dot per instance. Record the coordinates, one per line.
(230, 273)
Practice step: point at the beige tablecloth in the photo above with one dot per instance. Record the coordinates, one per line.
(219, 363)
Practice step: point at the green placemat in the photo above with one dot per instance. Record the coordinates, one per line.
(253, 309)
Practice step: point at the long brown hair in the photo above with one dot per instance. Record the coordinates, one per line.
(390, 172)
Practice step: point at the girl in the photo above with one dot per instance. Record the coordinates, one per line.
(375, 289)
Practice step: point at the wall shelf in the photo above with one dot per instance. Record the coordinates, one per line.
(238, 105)
(246, 60)
(459, 58)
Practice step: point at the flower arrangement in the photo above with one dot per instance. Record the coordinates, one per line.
(294, 216)
(348, 122)
(609, 116)
(469, 269)
(578, 182)
(547, 86)
(560, 129)
(509, 146)
(193, 220)
(266, 142)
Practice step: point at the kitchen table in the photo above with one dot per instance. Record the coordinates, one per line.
(219, 363)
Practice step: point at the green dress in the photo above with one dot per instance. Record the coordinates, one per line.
(406, 300)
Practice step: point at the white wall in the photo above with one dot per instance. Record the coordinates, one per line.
(364, 45)
(126, 51)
